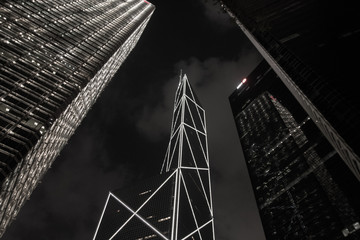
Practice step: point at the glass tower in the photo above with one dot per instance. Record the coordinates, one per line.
(177, 204)
(302, 187)
(56, 58)
(311, 46)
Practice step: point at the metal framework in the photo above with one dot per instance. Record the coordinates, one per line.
(178, 205)
(56, 57)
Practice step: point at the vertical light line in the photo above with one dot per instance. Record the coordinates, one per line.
(174, 227)
(196, 168)
(188, 198)
(208, 160)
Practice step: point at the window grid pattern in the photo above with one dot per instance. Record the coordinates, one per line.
(56, 57)
(296, 194)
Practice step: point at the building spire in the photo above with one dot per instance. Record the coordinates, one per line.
(188, 128)
(177, 204)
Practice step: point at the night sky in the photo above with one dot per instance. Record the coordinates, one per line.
(124, 137)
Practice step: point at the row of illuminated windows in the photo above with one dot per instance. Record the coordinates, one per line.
(53, 72)
(37, 163)
(38, 88)
(23, 102)
(16, 143)
(85, 29)
(44, 82)
(33, 59)
(35, 65)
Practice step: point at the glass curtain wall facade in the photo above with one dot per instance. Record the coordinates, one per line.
(311, 46)
(177, 204)
(302, 187)
(56, 58)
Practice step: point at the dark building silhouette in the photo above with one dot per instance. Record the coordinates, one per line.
(56, 57)
(311, 46)
(177, 204)
(302, 187)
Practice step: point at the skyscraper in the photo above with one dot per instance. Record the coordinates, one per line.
(177, 204)
(302, 187)
(311, 46)
(56, 58)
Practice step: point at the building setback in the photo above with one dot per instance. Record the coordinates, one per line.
(311, 46)
(302, 187)
(56, 58)
(177, 204)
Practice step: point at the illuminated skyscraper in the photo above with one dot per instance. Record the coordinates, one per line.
(56, 58)
(311, 46)
(302, 187)
(177, 204)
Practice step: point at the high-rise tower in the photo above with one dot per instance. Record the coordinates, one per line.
(302, 187)
(311, 46)
(177, 204)
(56, 57)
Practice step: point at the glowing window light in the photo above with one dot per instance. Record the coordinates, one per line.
(242, 82)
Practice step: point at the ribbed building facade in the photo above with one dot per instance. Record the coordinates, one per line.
(56, 57)
(311, 46)
(177, 204)
(302, 187)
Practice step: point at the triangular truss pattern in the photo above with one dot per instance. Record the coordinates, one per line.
(177, 204)
(140, 212)
(188, 128)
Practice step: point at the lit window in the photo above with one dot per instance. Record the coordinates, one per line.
(164, 219)
(148, 191)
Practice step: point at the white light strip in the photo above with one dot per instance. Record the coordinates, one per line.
(102, 214)
(188, 198)
(202, 148)
(242, 82)
(198, 229)
(175, 119)
(135, 212)
(197, 110)
(166, 158)
(192, 154)
(211, 203)
(203, 188)
(176, 207)
(183, 123)
(197, 104)
(171, 157)
(200, 179)
(194, 168)
(191, 115)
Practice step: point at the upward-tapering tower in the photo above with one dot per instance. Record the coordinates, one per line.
(177, 204)
(56, 57)
(187, 156)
